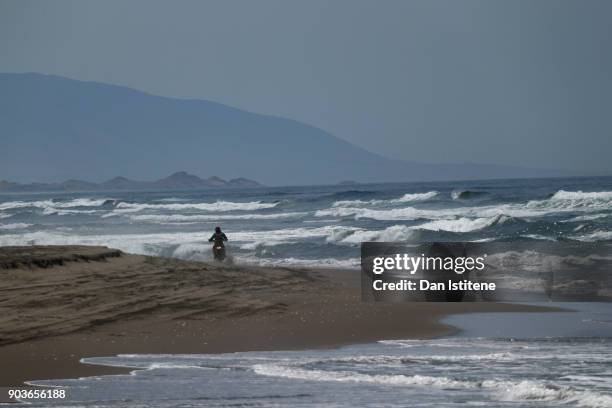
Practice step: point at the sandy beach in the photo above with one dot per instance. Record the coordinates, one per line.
(62, 303)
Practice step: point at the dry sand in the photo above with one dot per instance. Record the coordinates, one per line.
(59, 304)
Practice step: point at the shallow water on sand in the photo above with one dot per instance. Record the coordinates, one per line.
(470, 369)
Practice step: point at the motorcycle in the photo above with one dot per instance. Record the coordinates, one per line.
(219, 252)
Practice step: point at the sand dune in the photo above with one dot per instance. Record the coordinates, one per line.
(58, 290)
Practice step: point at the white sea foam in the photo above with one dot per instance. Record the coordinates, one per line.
(464, 224)
(404, 233)
(146, 244)
(182, 218)
(519, 391)
(539, 237)
(172, 200)
(394, 214)
(53, 204)
(406, 198)
(528, 390)
(523, 210)
(594, 236)
(351, 263)
(288, 234)
(295, 372)
(192, 251)
(579, 195)
(393, 359)
(409, 343)
(220, 206)
(587, 217)
(456, 194)
(55, 211)
(354, 203)
(192, 245)
(14, 226)
(55, 207)
(250, 240)
(395, 233)
(562, 201)
(415, 197)
(81, 202)
(13, 204)
(411, 213)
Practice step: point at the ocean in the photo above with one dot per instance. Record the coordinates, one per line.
(312, 225)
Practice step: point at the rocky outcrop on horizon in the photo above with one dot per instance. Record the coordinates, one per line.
(177, 181)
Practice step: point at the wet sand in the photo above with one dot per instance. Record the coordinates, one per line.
(62, 303)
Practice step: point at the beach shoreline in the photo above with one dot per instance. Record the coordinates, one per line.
(65, 303)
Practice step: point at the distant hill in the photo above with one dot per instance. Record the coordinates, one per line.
(177, 181)
(54, 128)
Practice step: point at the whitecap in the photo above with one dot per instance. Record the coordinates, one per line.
(587, 217)
(216, 206)
(395, 233)
(406, 198)
(332, 263)
(464, 224)
(14, 226)
(594, 236)
(182, 218)
(415, 197)
(406, 213)
(293, 372)
(503, 390)
(580, 195)
(529, 390)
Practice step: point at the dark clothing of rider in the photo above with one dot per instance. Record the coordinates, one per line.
(218, 237)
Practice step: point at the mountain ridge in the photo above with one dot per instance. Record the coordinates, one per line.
(65, 129)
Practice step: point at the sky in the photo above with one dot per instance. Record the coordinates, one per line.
(522, 83)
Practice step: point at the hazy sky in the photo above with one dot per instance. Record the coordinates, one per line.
(512, 82)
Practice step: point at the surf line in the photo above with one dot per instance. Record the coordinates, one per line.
(424, 284)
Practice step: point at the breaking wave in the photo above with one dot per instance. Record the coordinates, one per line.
(220, 206)
(579, 195)
(395, 233)
(588, 217)
(464, 224)
(467, 194)
(53, 204)
(17, 225)
(504, 390)
(294, 372)
(404, 233)
(328, 263)
(406, 198)
(406, 213)
(595, 236)
(180, 218)
(519, 391)
(560, 202)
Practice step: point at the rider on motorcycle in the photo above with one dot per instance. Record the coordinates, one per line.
(218, 238)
